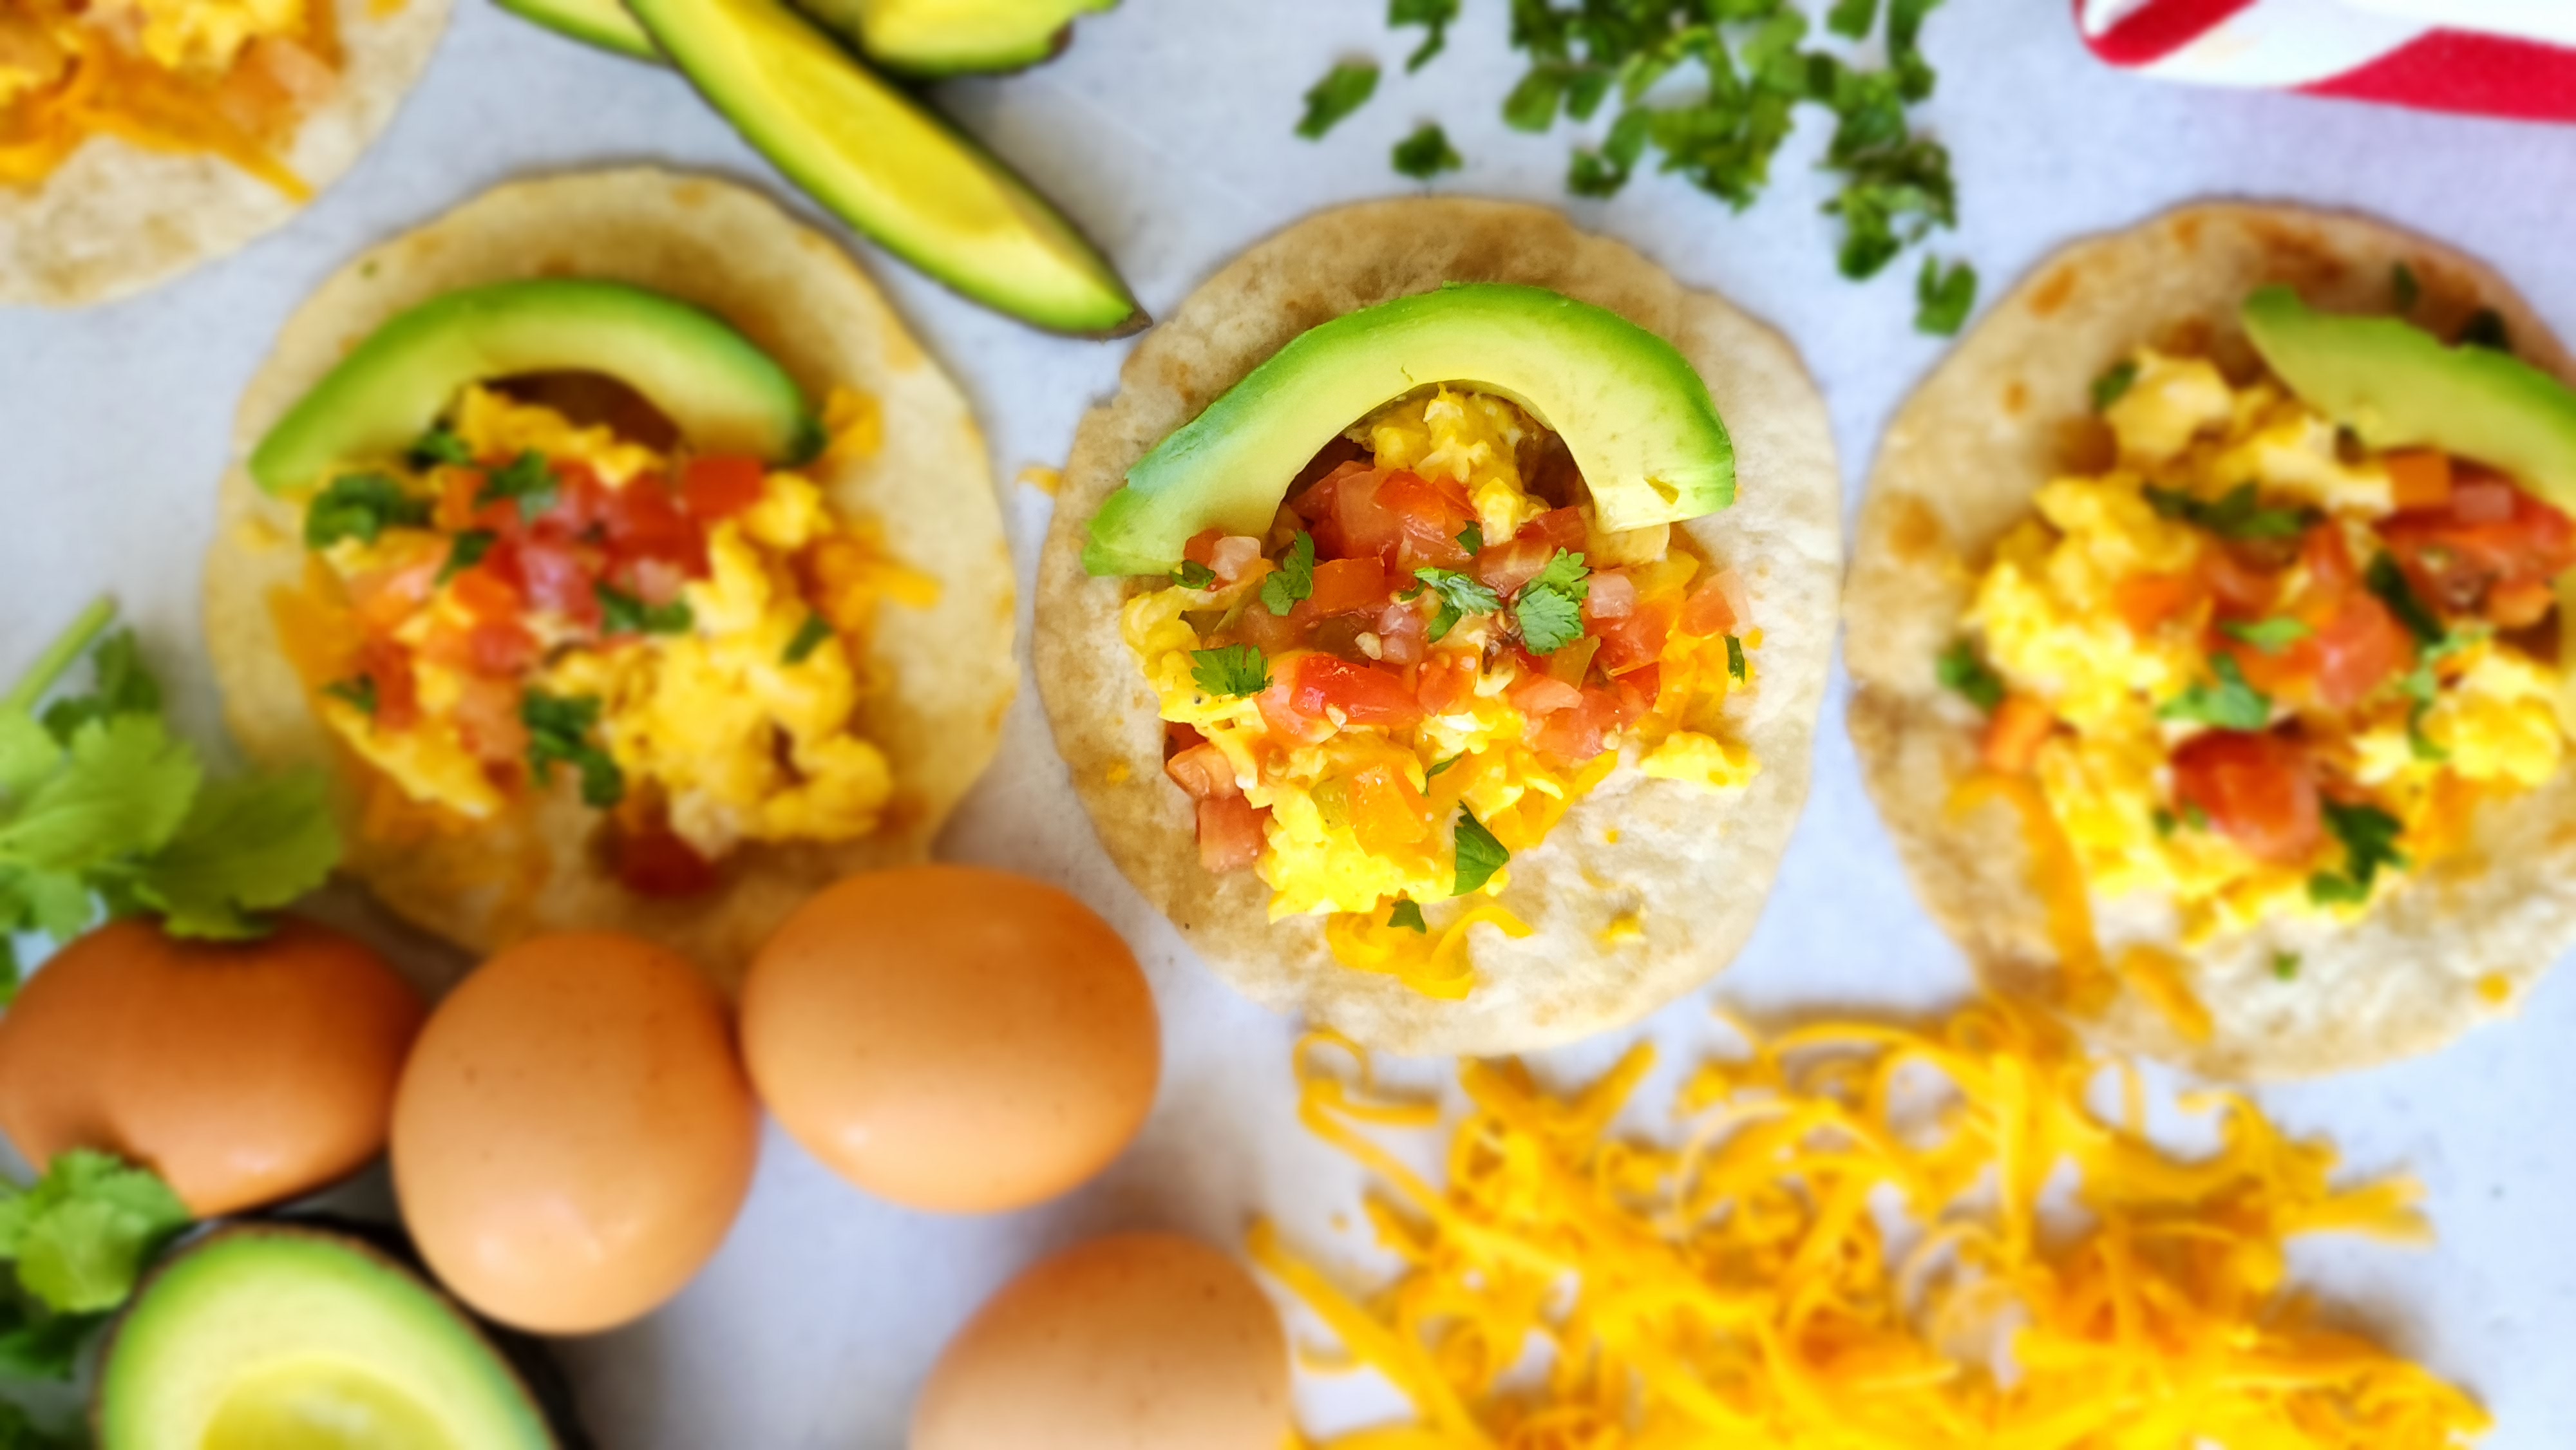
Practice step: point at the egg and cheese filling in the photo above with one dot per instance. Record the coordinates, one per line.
(685, 637)
(1428, 660)
(2257, 669)
(231, 78)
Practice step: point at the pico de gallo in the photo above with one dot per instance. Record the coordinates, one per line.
(1429, 658)
(524, 604)
(2258, 668)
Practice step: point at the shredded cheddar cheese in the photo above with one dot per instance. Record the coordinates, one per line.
(1848, 1253)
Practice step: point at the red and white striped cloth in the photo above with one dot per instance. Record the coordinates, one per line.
(2513, 58)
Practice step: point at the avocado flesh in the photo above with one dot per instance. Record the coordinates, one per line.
(954, 37)
(1637, 418)
(270, 1338)
(603, 23)
(2397, 386)
(882, 163)
(721, 390)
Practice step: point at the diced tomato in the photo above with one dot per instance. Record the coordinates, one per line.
(582, 501)
(656, 581)
(2146, 601)
(2250, 589)
(486, 713)
(719, 488)
(1636, 642)
(388, 666)
(1637, 690)
(2482, 499)
(1505, 567)
(1430, 515)
(1557, 529)
(2257, 790)
(1447, 685)
(1710, 611)
(2491, 535)
(2520, 603)
(1364, 694)
(2328, 562)
(2021, 724)
(1203, 771)
(383, 598)
(2359, 647)
(1613, 595)
(1201, 549)
(2419, 479)
(1178, 737)
(1579, 732)
(1315, 503)
(549, 575)
(1537, 696)
(653, 860)
(2274, 672)
(644, 522)
(1230, 834)
(1347, 518)
(500, 648)
(1346, 586)
(486, 595)
(1403, 633)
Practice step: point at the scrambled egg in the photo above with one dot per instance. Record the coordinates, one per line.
(206, 36)
(1470, 438)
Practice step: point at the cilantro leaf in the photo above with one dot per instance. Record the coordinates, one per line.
(2271, 636)
(2486, 329)
(1565, 572)
(1735, 657)
(2238, 515)
(1293, 580)
(1426, 153)
(1405, 913)
(1550, 619)
(1479, 854)
(123, 789)
(2369, 837)
(248, 845)
(1344, 90)
(1943, 300)
(2285, 965)
(2387, 580)
(1438, 766)
(810, 636)
(83, 1232)
(559, 730)
(440, 445)
(525, 480)
(38, 1344)
(2403, 287)
(1472, 538)
(361, 506)
(1230, 671)
(28, 752)
(2231, 704)
(1434, 14)
(466, 551)
(1603, 172)
(1959, 669)
(1460, 595)
(358, 692)
(1894, 196)
(622, 613)
(2114, 385)
(1852, 19)
(120, 684)
(1194, 575)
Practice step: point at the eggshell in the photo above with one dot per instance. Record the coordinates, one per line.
(953, 1039)
(242, 1073)
(574, 1135)
(1137, 1342)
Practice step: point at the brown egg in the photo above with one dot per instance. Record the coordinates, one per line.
(574, 1134)
(952, 1039)
(242, 1073)
(1139, 1342)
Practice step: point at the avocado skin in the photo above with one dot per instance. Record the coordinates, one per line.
(725, 394)
(934, 38)
(527, 1391)
(1637, 417)
(2397, 386)
(603, 23)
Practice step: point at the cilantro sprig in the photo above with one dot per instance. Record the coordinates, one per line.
(560, 728)
(1230, 671)
(526, 480)
(362, 506)
(2369, 837)
(1549, 608)
(623, 613)
(1460, 595)
(1293, 580)
(1426, 153)
(2236, 515)
(1434, 16)
(2271, 635)
(1479, 854)
(1960, 670)
(2228, 704)
(1944, 298)
(1344, 89)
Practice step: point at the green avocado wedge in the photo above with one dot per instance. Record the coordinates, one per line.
(955, 37)
(603, 23)
(875, 158)
(1638, 419)
(274, 1338)
(2397, 386)
(723, 393)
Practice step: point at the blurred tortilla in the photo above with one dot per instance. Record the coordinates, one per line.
(1958, 468)
(1694, 866)
(947, 671)
(116, 218)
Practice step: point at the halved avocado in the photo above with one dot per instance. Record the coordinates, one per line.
(267, 1337)
(1637, 418)
(955, 37)
(2397, 386)
(723, 392)
(879, 161)
(603, 23)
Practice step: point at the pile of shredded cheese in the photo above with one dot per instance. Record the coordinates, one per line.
(1850, 1253)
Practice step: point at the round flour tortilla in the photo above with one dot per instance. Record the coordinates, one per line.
(941, 677)
(116, 218)
(1693, 866)
(2460, 943)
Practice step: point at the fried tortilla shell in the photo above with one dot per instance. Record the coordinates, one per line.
(939, 677)
(1692, 867)
(2458, 944)
(116, 218)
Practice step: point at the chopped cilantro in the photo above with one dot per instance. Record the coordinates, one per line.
(1433, 15)
(1438, 766)
(466, 551)
(2369, 837)
(2238, 515)
(1566, 572)
(1344, 90)
(2403, 286)
(1472, 538)
(2285, 965)
(120, 684)
(2114, 385)
(2194, 817)
(1294, 579)
(82, 1234)
(1943, 299)
(1479, 854)
(359, 693)
(2163, 820)
(1852, 19)
(440, 445)
(1407, 915)
(1959, 669)
(1230, 671)
(361, 506)
(810, 637)
(1194, 575)
(2388, 581)
(525, 480)
(559, 730)
(2486, 329)
(2231, 704)
(1735, 658)
(1460, 595)
(1550, 606)
(2271, 636)
(1426, 153)
(622, 613)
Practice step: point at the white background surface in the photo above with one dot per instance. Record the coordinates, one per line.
(1166, 133)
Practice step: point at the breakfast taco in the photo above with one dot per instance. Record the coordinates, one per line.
(2206, 640)
(625, 559)
(1435, 623)
(140, 137)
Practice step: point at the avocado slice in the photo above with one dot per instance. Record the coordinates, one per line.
(1637, 418)
(267, 1337)
(879, 161)
(2397, 386)
(603, 23)
(955, 37)
(723, 392)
